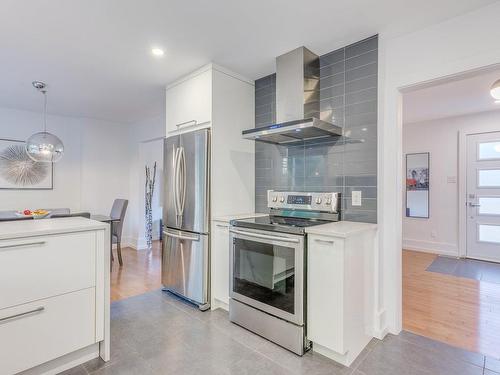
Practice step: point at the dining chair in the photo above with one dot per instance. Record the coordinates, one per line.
(118, 212)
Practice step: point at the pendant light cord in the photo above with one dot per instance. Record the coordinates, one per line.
(44, 92)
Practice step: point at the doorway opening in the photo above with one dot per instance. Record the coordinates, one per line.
(451, 215)
(141, 270)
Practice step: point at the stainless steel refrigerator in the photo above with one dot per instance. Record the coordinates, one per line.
(186, 237)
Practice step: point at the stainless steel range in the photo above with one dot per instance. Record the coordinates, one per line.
(268, 266)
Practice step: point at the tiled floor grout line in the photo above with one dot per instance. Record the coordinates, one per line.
(364, 358)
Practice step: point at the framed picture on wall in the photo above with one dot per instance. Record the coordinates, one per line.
(19, 172)
(417, 185)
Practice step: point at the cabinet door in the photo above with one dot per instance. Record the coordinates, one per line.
(325, 296)
(33, 268)
(189, 102)
(37, 332)
(220, 258)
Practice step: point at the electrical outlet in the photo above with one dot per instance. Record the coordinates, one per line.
(356, 198)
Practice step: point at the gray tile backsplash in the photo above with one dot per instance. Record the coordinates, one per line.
(348, 98)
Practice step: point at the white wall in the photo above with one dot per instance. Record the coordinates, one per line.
(103, 161)
(439, 233)
(146, 146)
(460, 44)
(92, 172)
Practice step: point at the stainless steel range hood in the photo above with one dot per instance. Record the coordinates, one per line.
(297, 102)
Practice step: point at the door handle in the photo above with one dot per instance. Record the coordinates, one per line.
(264, 236)
(326, 242)
(22, 245)
(181, 237)
(194, 122)
(182, 198)
(474, 204)
(19, 315)
(176, 181)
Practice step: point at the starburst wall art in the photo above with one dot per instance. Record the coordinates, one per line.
(19, 172)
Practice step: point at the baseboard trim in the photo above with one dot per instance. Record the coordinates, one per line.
(136, 243)
(439, 248)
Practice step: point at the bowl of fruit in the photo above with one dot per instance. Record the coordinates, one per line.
(35, 214)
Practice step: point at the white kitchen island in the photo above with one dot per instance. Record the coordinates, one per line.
(54, 294)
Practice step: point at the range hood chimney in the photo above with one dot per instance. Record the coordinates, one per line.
(297, 102)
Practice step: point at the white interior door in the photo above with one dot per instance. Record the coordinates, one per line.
(483, 196)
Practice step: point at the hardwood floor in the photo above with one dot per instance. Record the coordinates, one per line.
(461, 312)
(140, 273)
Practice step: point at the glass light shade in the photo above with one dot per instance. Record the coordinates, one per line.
(495, 90)
(44, 147)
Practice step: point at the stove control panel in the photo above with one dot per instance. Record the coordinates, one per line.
(326, 202)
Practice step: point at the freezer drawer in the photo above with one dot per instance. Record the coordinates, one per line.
(185, 262)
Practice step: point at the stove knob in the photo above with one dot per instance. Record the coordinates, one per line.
(328, 201)
(318, 200)
(282, 199)
(275, 198)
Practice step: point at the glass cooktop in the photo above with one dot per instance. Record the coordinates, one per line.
(278, 223)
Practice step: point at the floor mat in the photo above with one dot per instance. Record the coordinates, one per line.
(468, 268)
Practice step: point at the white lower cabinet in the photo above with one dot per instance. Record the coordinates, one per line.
(54, 294)
(39, 331)
(340, 292)
(325, 292)
(220, 264)
(39, 267)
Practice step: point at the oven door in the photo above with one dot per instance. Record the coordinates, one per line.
(267, 272)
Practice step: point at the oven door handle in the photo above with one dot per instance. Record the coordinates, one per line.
(264, 236)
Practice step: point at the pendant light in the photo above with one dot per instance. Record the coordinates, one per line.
(495, 90)
(43, 146)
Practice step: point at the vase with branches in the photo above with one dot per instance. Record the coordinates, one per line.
(149, 191)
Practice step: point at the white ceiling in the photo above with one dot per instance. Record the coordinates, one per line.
(95, 54)
(459, 96)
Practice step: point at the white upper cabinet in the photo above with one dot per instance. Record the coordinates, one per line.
(189, 101)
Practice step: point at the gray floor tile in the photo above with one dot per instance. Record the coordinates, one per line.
(445, 351)
(130, 366)
(489, 372)
(78, 370)
(310, 363)
(157, 333)
(492, 364)
(400, 357)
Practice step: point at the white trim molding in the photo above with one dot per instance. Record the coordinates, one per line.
(440, 248)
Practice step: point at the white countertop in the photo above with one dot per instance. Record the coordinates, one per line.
(227, 219)
(341, 228)
(40, 227)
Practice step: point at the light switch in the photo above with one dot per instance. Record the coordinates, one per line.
(356, 198)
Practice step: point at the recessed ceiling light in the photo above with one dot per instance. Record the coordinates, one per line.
(495, 90)
(157, 52)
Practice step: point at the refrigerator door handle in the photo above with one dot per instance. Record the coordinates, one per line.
(176, 181)
(182, 163)
(181, 237)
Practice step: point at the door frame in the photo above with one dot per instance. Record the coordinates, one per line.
(462, 182)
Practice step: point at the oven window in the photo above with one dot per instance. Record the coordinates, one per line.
(265, 273)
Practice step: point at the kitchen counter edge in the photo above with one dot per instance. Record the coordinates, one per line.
(342, 229)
